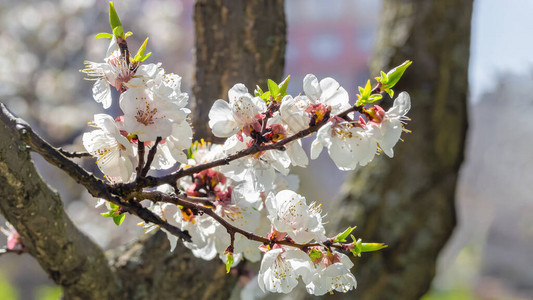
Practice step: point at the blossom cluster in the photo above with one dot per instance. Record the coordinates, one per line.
(246, 207)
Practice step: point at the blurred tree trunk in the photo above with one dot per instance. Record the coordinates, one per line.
(236, 41)
(408, 202)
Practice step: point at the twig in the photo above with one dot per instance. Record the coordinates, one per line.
(73, 154)
(182, 200)
(150, 158)
(140, 152)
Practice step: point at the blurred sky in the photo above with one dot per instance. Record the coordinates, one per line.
(501, 42)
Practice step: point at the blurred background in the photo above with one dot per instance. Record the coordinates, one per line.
(44, 43)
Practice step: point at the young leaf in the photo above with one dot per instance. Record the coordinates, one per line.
(367, 90)
(369, 247)
(283, 86)
(395, 74)
(119, 218)
(114, 20)
(341, 237)
(104, 35)
(107, 214)
(273, 87)
(113, 206)
(118, 31)
(140, 56)
(229, 262)
(315, 255)
(374, 97)
(390, 92)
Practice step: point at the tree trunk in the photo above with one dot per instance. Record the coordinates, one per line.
(69, 257)
(408, 202)
(236, 41)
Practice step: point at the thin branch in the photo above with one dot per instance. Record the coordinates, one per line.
(95, 186)
(140, 151)
(183, 200)
(73, 154)
(151, 155)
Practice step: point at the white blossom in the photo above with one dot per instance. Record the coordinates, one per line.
(170, 150)
(113, 151)
(388, 130)
(327, 92)
(150, 110)
(333, 277)
(227, 118)
(281, 268)
(348, 145)
(290, 213)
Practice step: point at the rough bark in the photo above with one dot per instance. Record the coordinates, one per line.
(236, 41)
(408, 202)
(69, 257)
(150, 271)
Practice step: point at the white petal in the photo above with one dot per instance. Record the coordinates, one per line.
(312, 87)
(402, 105)
(221, 119)
(102, 93)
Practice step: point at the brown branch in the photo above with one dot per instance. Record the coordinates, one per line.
(140, 152)
(151, 155)
(184, 201)
(96, 187)
(73, 154)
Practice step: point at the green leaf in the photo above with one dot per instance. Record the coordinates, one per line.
(374, 97)
(113, 206)
(108, 214)
(119, 218)
(283, 86)
(114, 20)
(390, 92)
(395, 74)
(315, 255)
(140, 56)
(384, 78)
(367, 90)
(341, 237)
(266, 96)
(273, 87)
(118, 31)
(104, 35)
(129, 33)
(229, 262)
(369, 247)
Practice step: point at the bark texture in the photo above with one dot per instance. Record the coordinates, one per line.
(69, 257)
(236, 41)
(150, 271)
(408, 202)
